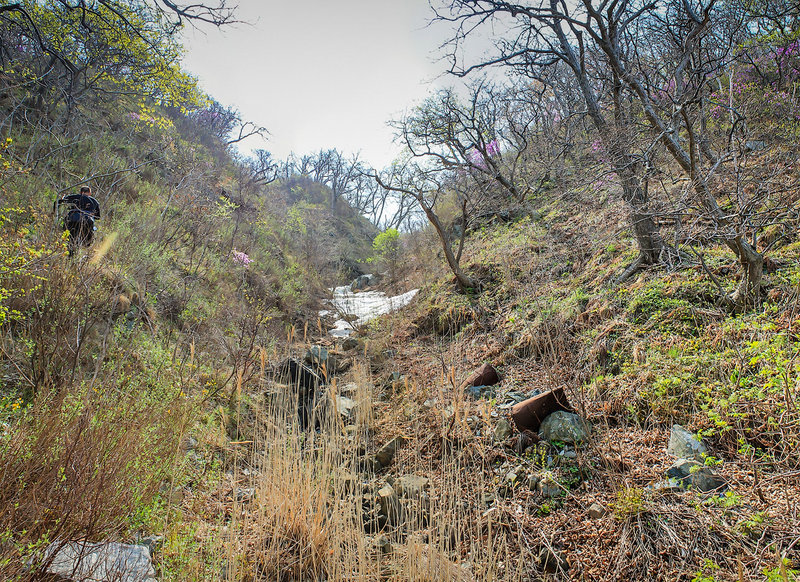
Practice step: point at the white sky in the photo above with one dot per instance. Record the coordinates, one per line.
(322, 73)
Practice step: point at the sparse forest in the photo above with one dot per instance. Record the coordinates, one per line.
(558, 338)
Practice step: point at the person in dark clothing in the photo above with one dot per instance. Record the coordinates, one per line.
(80, 218)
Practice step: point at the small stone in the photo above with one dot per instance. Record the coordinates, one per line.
(189, 443)
(515, 397)
(346, 408)
(706, 480)
(515, 475)
(409, 486)
(668, 486)
(478, 392)
(245, 494)
(685, 445)
(596, 511)
(565, 427)
(548, 486)
(387, 452)
(384, 545)
(682, 468)
(428, 404)
(502, 431)
(552, 561)
(690, 473)
(533, 482)
(387, 500)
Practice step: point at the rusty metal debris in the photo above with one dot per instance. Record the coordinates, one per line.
(486, 375)
(529, 414)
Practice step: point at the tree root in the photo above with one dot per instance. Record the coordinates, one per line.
(630, 270)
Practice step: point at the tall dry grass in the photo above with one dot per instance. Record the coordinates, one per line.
(311, 496)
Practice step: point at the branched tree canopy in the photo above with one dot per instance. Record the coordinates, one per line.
(62, 49)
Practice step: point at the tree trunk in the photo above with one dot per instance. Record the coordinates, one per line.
(652, 248)
(464, 281)
(748, 291)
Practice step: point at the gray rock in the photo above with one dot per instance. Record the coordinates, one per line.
(189, 443)
(346, 408)
(388, 502)
(384, 545)
(690, 473)
(533, 482)
(152, 543)
(245, 494)
(319, 357)
(682, 468)
(98, 562)
(409, 486)
(502, 431)
(386, 454)
(516, 475)
(565, 427)
(363, 281)
(707, 480)
(552, 561)
(684, 444)
(596, 511)
(754, 145)
(478, 392)
(349, 343)
(548, 486)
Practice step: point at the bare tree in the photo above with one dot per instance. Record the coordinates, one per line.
(546, 42)
(645, 71)
(426, 185)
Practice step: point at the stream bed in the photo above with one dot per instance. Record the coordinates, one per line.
(361, 306)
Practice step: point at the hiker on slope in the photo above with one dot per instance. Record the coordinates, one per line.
(80, 218)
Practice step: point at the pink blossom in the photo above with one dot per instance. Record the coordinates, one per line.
(241, 258)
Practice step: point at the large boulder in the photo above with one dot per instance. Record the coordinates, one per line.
(96, 562)
(565, 427)
(321, 359)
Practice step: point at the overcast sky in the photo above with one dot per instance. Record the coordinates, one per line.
(322, 73)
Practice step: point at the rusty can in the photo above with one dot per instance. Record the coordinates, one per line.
(529, 414)
(486, 375)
